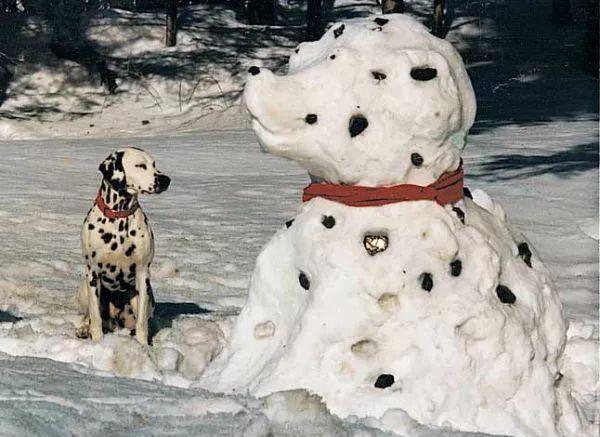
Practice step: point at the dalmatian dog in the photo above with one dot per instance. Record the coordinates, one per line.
(118, 247)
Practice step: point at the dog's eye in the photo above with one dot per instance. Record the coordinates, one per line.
(142, 166)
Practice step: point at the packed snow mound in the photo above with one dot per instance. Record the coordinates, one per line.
(448, 323)
(382, 89)
(410, 312)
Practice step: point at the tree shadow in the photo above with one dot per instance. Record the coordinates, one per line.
(6, 317)
(563, 163)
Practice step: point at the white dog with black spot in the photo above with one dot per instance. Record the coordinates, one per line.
(118, 247)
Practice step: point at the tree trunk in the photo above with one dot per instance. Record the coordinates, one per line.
(314, 12)
(261, 12)
(561, 12)
(437, 27)
(171, 35)
(392, 6)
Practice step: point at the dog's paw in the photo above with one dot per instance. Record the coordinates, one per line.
(83, 331)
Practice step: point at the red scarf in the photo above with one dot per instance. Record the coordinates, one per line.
(447, 189)
(110, 213)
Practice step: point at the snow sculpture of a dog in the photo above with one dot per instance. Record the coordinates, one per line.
(431, 306)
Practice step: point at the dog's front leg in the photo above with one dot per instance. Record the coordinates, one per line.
(142, 283)
(94, 305)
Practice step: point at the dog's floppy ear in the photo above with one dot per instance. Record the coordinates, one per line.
(113, 171)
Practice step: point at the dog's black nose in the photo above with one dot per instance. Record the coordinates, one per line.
(162, 183)
(254, 70)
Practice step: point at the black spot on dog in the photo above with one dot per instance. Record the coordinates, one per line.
(426, 282)
(456, 267)
(378, 75)
(90, 226)
(459, 213)
(328, 221)
(122, 239)
(357, 125)
(381, 21)
(384, 380)
(93, 254)
(338, 32)
(132, 233)
(416, 159)
(100, 265)
(505, 294)
(100, 231)
(113, 268)
(114, 246)
(467, 193)
(94, 280)
(525, 253)
(289, 223)
(121, 225)
(311, 118)
(423, 74)
(107, 237)
(130, 250)
(304, 282)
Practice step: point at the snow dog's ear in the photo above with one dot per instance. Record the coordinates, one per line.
(113, 171)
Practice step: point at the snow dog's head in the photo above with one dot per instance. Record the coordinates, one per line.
(377, 101)
(133, 171)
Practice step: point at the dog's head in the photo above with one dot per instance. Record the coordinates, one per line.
(133, 171)
(377, 101)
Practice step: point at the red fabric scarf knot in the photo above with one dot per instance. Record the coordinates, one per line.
(110, 213)
(447, 189)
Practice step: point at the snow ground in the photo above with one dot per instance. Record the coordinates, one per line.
(226, 200)
(534, 148)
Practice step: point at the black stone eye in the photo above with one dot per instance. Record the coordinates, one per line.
(296, 50)
(505, 294)
(525, 253)
(328, 221)
(304, 282)
(384, 381)
(456, 267)
(311, 118)
(357, 125)
(416, 159)
(381, 21)
(338, 32)
(378, 75)
(423, 73)
(254, 70)
(467, 193)
(332, 57)
(426, 281)
(289, 223)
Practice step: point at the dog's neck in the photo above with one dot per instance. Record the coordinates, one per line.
(117, 200)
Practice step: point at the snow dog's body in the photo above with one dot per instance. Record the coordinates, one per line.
(118, 247)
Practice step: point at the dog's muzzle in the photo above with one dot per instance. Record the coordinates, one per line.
(162, 183)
